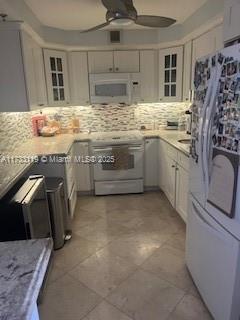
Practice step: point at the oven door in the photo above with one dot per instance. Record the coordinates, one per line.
(106, 170)
(36, 211)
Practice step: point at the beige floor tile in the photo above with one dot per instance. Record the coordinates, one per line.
(102, 231)
(105, 311)
(75, 251)
(135, 248)
(190, 308)
(144, 296)
(56, 272)
(177, 241)
(67, 299)
(103, 271)
(169, 264)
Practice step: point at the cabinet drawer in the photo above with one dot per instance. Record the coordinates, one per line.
(183, 160)
(171, 152)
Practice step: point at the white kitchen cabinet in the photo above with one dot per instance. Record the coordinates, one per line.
(151, 163)
(56, 69)
(174, 176)
(126, 61)
(100, 61)
(182, 191)
(187, 71)
(206, 44)
(82, 167)
(162, 177)
(78, 78)
(170, 187)
(231, 25)
(219, 43)
(113, 61)
(13, 85)
(34, 71)
(170, 74)
(149, 75)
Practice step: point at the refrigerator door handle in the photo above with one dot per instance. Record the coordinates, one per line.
(207, 129)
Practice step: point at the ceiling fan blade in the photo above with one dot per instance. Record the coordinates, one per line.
(115, 5)
(154, 21)
(100, 26)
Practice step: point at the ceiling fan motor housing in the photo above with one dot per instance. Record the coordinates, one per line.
(111, 16)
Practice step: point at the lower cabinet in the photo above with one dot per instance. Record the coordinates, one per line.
(82, 167)
(151, 164)
(174, 176)
(182, 191)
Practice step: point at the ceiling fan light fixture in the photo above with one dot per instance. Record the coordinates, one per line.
(122, 22)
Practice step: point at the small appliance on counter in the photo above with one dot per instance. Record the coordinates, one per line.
(38, 123)
(172, 125)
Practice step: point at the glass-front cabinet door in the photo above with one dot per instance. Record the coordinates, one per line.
(170, 74)
(57, 77)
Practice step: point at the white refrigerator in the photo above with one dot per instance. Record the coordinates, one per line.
(213, 226)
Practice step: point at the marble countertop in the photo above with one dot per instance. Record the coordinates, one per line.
(172, 137)
(60, 145)
(23, 266)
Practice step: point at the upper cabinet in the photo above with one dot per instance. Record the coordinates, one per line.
(126, 61)
(100, 61)
(170, 74)
(56, 70)
(206, 44)
(78, 78)
(34, 70)
(187, 71)
(149, 75)
(113, 61)
(231, 20)
(22, 82)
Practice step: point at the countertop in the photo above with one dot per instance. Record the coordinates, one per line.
(27, 154)
(22, 269)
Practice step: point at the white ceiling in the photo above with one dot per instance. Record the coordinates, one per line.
(83, 14)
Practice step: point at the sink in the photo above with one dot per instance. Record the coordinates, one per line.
(185, 141)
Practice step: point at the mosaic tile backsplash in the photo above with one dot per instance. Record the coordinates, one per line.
(117, 117)
(15, 128)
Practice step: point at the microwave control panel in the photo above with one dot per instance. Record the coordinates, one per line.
(136, 87)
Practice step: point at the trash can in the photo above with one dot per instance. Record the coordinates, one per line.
(57, 208)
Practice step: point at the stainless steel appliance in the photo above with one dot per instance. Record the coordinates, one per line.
(24, 211)
(115, 88)
(213, 225)
(118, 166)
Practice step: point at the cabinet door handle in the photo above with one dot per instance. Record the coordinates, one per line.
(117, 69)
(110, 69)
(173, 166)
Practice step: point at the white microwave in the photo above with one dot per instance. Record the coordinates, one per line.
(115, 88)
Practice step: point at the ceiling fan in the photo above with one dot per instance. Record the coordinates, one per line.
(122, 13)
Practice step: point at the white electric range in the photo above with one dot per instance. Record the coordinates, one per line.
(119, 162)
